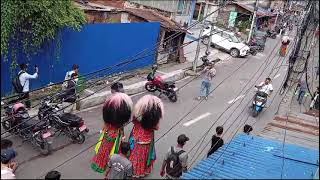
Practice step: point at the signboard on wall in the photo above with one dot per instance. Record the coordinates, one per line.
(232, 18)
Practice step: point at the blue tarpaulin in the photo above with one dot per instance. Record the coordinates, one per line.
(252, 157)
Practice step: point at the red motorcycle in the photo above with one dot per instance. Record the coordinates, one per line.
(156, 83)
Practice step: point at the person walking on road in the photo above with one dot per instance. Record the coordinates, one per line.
(24, 81)
(284, 44)
(209, 72)
(303, 89)
(176, 160)
(120, 166)
(216, 141)
(315, 101)
(146, 118)
(116, 112)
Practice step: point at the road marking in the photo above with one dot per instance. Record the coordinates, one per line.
(89, 91)
(278, 75)
(236, 99)
(196, 119)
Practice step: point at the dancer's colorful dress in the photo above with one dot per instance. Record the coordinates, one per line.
(116, 113)
(147, 113)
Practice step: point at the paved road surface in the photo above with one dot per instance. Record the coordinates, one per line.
(193, 125)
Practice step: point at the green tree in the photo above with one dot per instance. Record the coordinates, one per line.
(32, 23)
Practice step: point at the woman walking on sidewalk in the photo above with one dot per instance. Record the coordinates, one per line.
(209, 72)
(116, 112)
(146, 117)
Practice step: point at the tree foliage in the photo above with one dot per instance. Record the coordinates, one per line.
(31, 23)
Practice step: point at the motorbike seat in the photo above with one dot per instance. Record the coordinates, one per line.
(71, 119)
(33, 124)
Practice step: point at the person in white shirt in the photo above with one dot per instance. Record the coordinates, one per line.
(24, 81)
(75, 69)
(266, 86)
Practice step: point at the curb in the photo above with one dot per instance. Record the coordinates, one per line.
(136, 88)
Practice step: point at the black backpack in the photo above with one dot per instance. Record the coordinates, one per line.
(17, 84)
(174, 166)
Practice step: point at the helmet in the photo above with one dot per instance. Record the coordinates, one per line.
(17, 106)
(155, 66)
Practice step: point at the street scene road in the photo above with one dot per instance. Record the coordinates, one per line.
(236, 94)
(233, 88)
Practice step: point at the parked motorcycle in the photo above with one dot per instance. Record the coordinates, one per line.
(271, 34)
(257, 44)
(205, 60)
(253, 50)
(18, 122)
(258, 103)
(69, 124)
(156, 83)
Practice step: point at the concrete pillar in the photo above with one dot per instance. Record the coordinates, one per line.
(205, 13)
(199, 12)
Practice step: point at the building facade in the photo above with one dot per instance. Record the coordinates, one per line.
(178, 10)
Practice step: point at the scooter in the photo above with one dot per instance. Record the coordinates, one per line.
(271, 34)
(18, 122)
(258, 103)
(205, 60)
(254, 45)
(69, 124)
(156, 83)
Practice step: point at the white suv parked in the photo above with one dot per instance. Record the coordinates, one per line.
(225, 40)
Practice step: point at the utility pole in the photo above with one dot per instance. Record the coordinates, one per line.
(198, 50)
(253, 20)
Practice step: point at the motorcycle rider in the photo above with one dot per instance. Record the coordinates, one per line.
(153, 72)
(265, 89)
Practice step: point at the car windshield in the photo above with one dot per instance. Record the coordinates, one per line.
(234, 39)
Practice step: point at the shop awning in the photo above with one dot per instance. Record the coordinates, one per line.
(261, 11)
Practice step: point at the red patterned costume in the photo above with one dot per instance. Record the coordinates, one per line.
(116, 113)
(147, 113)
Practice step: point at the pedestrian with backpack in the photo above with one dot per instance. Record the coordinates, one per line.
(21, 83)
(75, 69)
(176, 160)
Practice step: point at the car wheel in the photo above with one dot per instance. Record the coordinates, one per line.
(234, 52)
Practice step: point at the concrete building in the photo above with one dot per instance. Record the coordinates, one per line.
(178, 10)
(205, 7)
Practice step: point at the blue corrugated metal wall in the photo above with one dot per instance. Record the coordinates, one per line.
(96, 46)
(252, 157)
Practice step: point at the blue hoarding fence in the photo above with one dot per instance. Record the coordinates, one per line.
(96, 46)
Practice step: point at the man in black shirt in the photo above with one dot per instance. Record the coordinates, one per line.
(216, 141)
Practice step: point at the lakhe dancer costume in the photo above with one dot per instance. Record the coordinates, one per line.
(146, 116)
(116, 112)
